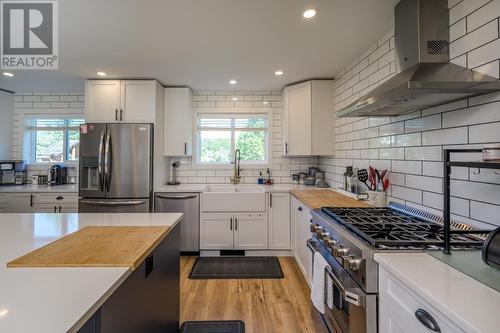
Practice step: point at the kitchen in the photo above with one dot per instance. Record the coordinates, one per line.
(210, 178)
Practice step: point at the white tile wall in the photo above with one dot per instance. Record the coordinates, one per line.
(42, 103)
(410, 146)
(281, 168)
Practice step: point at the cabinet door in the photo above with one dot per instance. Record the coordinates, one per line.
(279, 221)
(23, 203)
(102, 102)
(391, 320)
(5, 203)
(178, 122)
(138, 101)
(298, 119)
(250, 232)
(216, 231)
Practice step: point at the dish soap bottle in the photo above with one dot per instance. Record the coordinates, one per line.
(260, 180)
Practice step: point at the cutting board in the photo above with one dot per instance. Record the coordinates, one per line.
(315, 199)
(97, 247)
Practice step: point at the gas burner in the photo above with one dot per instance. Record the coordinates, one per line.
(388, 228)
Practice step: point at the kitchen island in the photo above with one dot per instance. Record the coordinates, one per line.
(76, 299)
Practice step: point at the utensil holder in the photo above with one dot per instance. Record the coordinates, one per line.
(377, 198)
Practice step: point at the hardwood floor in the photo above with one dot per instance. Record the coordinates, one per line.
(266, 306)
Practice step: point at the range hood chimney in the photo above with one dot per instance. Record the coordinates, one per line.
(426, 77)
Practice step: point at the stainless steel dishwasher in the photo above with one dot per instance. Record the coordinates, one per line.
(189, 205)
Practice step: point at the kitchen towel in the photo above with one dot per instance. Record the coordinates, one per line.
(318, 282)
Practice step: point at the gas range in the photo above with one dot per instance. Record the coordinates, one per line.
(352, 235)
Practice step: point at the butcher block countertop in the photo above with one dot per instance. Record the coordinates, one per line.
(315, 199)
(106, 246)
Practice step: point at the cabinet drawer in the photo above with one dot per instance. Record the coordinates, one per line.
(58, 198)
(407, 302)
(55, 208)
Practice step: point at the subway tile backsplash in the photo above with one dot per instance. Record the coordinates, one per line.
(410, 146)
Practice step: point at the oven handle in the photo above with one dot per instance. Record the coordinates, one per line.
(349, 295)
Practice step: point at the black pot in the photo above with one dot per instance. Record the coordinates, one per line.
(491, 249)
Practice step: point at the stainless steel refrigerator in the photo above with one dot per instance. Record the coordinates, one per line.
(116, 168)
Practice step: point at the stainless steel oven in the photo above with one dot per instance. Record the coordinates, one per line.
(348, 309)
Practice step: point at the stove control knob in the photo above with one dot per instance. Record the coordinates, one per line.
(339, 251)
(331, 242)
(351, 263)
(312, 227)
(324, 235)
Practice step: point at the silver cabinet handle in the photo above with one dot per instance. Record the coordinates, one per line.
(176, 197)
(114, 203)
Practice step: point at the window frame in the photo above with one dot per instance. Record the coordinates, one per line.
(31, 131)
(233, 113)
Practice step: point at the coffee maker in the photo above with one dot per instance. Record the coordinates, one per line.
(58, 174)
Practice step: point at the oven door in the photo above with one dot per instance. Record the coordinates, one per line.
(348, 309)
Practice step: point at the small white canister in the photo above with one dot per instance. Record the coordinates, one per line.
(491, 153)
(377, 198)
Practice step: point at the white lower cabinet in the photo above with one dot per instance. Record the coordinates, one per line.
(39, 202)
(233, 231)
(399, 305)
(301, 217)
(279, 221)
(250, 232)
(216, 232)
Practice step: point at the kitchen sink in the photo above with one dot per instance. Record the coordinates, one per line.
(233, 198)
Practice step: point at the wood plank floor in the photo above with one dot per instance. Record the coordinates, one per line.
(266, 306)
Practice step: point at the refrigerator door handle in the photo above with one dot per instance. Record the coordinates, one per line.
(113, 203)
(107, 162)
(100, 172)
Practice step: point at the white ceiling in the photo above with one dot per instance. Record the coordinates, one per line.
(205, 43)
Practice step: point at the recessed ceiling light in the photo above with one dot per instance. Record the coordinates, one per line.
(101, 73)
(235, 98)
(278, 73)
(9, 74)
(310, 13)
(232, 82)
(265, 102)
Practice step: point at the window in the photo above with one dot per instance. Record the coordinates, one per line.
(55, 140)
(220, 135)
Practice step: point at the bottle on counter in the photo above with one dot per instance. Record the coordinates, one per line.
(354, 181)
(347, 178)
(260, 180)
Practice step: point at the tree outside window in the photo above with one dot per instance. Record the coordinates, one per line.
(56, 140)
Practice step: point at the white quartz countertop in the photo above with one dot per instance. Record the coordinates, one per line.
(39, 188)
(202, 187)
(53, 300)
(471, 305)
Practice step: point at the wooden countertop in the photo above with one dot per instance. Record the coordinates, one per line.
(103, 246)
(315, 199)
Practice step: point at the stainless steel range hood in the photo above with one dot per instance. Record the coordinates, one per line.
(426, 76)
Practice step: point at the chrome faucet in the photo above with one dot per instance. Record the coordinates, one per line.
(235, 179)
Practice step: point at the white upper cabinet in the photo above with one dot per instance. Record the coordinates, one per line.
(131, 101)
(178, 122)
(308, 121)
(138, 102)
(102, 101)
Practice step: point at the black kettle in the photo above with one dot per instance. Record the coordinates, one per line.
(58, 174)
(491, 249)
